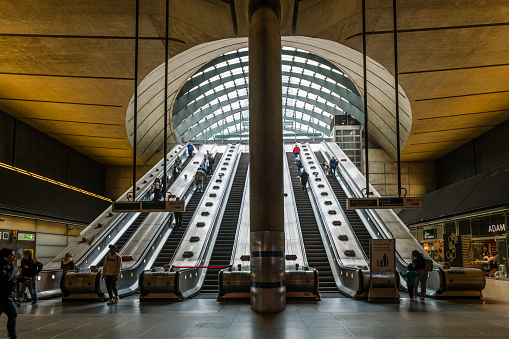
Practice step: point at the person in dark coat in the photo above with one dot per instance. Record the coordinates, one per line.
(8, 283)
(67, 264)
(422, 275)
(156, 188)
(30, 269)
(175, 172)
(304, 177)
(333, 164)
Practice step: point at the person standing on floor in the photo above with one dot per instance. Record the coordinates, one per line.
(422, 275)
(111, 271)
(304, 177)
(296, 151)
(410, 276)
(190, 149)
(67, 264)
(8, 284)
(29, 270)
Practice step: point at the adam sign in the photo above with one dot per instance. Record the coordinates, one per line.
(496, 228)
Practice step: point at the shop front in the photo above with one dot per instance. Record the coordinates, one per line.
(478, 241)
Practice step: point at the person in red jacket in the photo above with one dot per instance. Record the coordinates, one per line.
(296, 151)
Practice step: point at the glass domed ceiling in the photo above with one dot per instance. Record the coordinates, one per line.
(213, 105)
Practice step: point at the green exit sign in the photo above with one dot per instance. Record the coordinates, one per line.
(29, 236)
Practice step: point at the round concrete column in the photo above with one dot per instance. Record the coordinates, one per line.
(268, 291)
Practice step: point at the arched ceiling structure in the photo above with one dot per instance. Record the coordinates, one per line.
(208, 94)
(215, 99)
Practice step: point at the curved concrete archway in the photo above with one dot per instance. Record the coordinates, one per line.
(380, 91)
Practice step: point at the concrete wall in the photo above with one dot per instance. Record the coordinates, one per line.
(482, 154)
(417, 177)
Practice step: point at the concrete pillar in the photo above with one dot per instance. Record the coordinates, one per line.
(268, 291)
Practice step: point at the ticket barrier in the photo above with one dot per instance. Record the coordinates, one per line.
(299, 284)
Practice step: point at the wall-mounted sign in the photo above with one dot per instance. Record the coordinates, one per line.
(26, 236)
(429, 234)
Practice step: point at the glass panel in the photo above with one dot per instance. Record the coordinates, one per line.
(450, 227)
(501, 259)
(464, 227)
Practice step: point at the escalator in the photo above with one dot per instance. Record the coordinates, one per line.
(355, 221)
(127, 234)
(222, 253)
(176, 235)
(313, 244)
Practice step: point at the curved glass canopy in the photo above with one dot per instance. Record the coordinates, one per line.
(213, 105)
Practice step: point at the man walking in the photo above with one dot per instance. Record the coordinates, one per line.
(8, 283)
(111, 270)
(30, 269)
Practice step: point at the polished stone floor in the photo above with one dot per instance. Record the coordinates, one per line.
(328, 318)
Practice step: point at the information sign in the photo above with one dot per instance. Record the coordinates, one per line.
(362, 202)
(391, 202)
(149, 206)
(382, 270)
(5, 235)
(26, 236)
(382, 255)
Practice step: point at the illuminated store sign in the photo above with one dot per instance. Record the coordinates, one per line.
(499, 228)
(429, 234)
